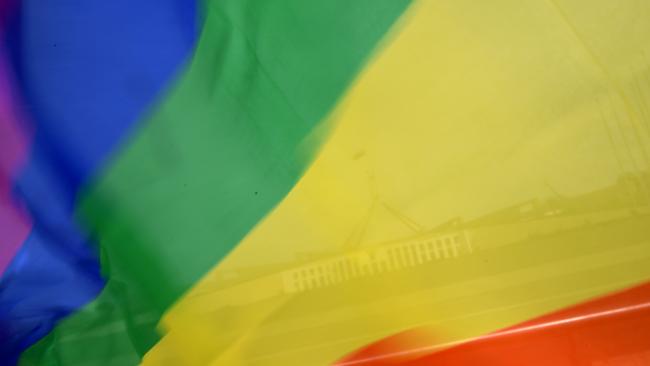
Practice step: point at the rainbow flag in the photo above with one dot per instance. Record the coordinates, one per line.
(324, 182)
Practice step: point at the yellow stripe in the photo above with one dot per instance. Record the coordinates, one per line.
(471, 109)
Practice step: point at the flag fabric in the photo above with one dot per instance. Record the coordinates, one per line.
(288, 182)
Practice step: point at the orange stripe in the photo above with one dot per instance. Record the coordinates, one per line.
(613, 330)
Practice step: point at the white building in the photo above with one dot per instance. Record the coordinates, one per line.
(371, 261)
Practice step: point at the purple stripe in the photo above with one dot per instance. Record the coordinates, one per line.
(14, 223)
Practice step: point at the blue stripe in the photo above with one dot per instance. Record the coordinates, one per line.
(89, 70)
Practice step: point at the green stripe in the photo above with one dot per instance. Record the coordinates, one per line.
(213, 160)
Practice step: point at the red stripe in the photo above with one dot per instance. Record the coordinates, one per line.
(610, 331)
